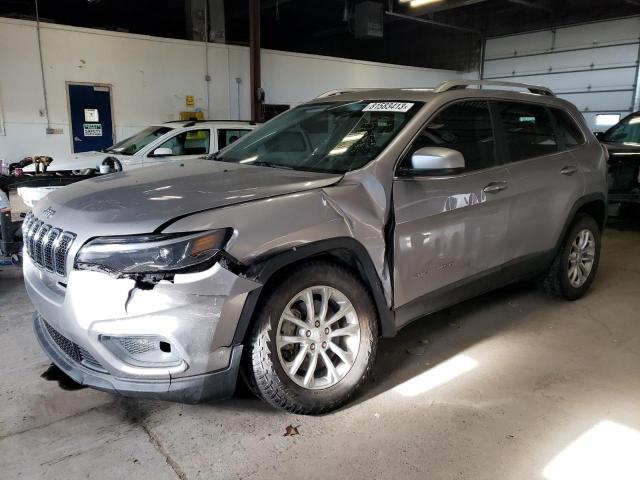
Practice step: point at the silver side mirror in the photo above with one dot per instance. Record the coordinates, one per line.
(162, 152)
(436, 160)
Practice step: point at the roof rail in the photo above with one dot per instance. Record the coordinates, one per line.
(194, 122)
(462, 84)
(340, 91)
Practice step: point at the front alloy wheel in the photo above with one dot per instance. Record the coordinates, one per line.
(318, 337)
(314, 340)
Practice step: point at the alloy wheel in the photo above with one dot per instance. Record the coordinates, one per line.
(581, 258)
(318, 337)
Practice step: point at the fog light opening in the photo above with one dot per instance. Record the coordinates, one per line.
(143, 350)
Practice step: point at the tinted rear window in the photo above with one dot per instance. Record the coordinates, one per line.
(528, 130)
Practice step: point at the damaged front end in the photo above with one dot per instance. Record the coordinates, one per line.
(124, 328)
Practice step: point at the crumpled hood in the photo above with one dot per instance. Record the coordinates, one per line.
(81, 161)
(141, 200)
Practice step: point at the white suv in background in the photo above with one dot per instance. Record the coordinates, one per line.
(181, 140)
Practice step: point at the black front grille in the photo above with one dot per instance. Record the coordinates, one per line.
(72, 350)
(46, 246)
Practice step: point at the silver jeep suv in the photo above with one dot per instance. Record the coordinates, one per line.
(284, 257)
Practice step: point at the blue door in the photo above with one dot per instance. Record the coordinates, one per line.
(91, 123)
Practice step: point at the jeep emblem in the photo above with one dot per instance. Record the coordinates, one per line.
(49, 212)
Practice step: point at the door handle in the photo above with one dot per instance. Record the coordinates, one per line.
(495, 187)
(76, 139)
(569, 170)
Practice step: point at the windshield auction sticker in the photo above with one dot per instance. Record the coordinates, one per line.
(400, 107)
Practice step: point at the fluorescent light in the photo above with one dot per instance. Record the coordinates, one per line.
(438, 375)
(608, 450)
(422, 3)
(607, 119)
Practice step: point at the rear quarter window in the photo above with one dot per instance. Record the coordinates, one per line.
(569, 134)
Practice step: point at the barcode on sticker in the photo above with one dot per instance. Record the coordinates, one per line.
(401, 107)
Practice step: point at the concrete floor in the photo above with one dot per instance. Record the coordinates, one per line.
(512, 385)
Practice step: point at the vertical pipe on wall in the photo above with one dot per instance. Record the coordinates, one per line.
(483, 49)
(635, 101)
(44, 83)
(254, 59)
(207, 76)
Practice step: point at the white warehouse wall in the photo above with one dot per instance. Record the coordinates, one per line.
(594, 66)
(151, 76)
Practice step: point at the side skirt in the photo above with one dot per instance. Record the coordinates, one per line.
(516, 270)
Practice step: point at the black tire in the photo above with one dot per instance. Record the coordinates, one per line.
(556, 282)
(262, 369)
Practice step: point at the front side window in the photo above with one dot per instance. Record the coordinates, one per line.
(332, 137)
(226, 136)
(568, 132)
(528, 130)
(626, 132)
(137, 142)
(465, 127)
(191, 142)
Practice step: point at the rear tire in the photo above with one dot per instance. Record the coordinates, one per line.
(314, 340)
(576, 262)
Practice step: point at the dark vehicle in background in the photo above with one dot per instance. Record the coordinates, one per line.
(623, 143)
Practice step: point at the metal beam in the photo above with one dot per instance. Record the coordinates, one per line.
(530, 4)
(432, 22)
(254, 59)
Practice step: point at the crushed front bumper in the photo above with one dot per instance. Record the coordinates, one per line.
(109, 333)
(214, 385)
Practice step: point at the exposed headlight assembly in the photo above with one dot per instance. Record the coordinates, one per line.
(149, 254)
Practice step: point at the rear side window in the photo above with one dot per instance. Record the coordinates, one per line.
(465, 127)
(528, 130)
(191, 142)
(568, 132)
(226, 136)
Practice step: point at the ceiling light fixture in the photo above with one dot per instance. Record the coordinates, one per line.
(420, 3)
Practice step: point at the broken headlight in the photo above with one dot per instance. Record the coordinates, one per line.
(147, 254)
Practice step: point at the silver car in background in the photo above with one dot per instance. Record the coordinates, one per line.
(284, 257)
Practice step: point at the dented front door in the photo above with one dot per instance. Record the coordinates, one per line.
(448, 230)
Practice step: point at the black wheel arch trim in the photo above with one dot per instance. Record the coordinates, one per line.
(262, 270)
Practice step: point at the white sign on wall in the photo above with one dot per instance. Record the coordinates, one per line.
(91, 115)
(92, 129)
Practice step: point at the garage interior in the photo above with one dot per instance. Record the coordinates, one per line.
(511, 384)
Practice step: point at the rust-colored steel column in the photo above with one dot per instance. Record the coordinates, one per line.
(254, 59)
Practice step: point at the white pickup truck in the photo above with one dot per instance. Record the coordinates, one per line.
(155, 144)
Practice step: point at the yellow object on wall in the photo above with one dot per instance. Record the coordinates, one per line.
(190, 101)
(186, 116)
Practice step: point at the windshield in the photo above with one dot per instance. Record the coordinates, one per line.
(627, 132)
(324, 137)
(134, 144)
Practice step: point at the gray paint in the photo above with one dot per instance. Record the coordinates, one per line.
(446, 229)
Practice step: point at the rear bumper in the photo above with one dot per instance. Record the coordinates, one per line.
(215, 385)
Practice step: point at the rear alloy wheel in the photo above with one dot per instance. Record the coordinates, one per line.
(314, 341)
(576, 263)
(581, 258)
